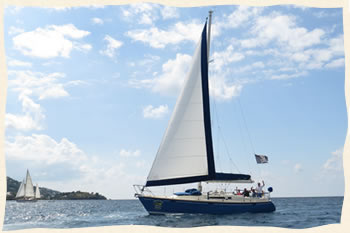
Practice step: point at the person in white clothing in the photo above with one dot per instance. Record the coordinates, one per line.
(259, 189)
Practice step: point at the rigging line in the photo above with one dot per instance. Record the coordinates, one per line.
(218, 148)
(222, 136)
(227, 151)
(250, 139)
(243, 142)
(219, 131)
(245, 123)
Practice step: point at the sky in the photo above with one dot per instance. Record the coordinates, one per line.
(91, 90)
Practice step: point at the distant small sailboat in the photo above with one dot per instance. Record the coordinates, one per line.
(37, 192)
(26, 190)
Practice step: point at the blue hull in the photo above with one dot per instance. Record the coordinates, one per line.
(164, 205)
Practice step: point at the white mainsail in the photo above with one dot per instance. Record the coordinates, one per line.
(20, 192)
(29, 188)
(37, 192)
(183, 151)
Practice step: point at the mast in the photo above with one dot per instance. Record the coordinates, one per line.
(208, 54)
(209, 29)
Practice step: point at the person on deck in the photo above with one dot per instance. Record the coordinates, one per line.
(238, 191)
(259, 189)
(246, 193)
(252, 190)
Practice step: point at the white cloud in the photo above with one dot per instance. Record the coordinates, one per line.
(32, 118)
(319, 58)
(170, 81)
(82, 47)
(22, 122)
(158, 38)
(97, 21)
(129, 153)
(146, 64)
(169, 12)
(300, 57)
(149, 60)
(289, 76)
(335, 162)
(112, 46)
(336, 45)
(29, 84)
(43, 86)
(225, 57)
(51, 41)
(336, 63)
(34, 84)
(98, 176)
(155, 112)
(292, 49)
(148, 13)
(174, 72)
(86, 173)
(143, 13)
(17, 63)
(258, 64)
(43, 149)
(14, 30)
(283, 30)
(239, 17)
(221, 90)
(173, 75)
(76, 83)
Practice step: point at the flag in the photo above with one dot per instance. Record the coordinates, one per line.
(261, 158)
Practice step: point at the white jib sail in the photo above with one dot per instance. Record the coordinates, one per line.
(182, 152)
(37, 192)
(29, 189)
(20, 192)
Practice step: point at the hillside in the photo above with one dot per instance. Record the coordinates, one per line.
(49, 194)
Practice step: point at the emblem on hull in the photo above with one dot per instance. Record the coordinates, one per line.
(157, 204)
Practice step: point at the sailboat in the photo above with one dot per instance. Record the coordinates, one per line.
(37, 192)
(186, 154)
(26, 190)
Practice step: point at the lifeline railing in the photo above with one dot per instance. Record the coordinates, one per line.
(140, 189)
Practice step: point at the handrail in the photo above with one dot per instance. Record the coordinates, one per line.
(140, 189)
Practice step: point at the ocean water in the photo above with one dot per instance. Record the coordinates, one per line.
(295, 213)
